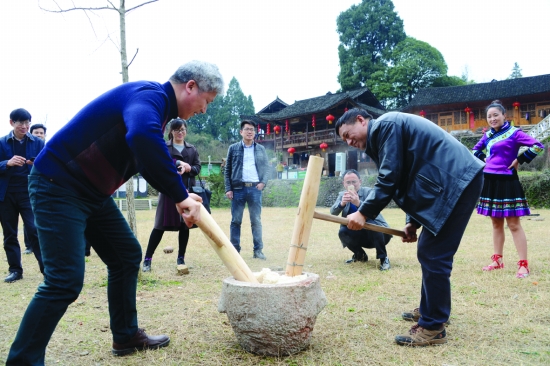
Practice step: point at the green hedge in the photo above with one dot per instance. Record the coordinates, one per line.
(287, 192)
(537, 188)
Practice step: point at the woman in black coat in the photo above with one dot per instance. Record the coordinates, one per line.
(186, 159)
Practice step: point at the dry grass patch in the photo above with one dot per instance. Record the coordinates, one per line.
(496, 318)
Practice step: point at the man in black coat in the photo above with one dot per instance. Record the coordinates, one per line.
(433, 178)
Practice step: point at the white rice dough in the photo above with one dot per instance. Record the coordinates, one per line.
(267, 276)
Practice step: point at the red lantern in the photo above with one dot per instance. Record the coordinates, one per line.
(422, 113)
(346, 109)
(287, 128)
(330, 118)
(468, 110)
(259, 130)
(277, 129)
(516, 105)
(323, 146)
(313, 121)
(268, 129)
(291, 150)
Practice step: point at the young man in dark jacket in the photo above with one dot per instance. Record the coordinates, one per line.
(105, 144)
(433, 178)
(245, 178)
(17, 152)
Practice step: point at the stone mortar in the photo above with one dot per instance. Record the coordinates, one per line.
(273, 320)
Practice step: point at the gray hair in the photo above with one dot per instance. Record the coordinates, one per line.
(206, 75)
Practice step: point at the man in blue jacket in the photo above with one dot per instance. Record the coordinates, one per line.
(115, 136)
(18, 150)
(433, 178)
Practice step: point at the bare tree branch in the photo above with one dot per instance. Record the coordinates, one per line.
(132, 60)
(111, 7)
(61, 10)
(137, 6)
(114, 43)
(114, 7)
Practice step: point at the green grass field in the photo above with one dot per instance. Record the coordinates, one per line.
(496, 318)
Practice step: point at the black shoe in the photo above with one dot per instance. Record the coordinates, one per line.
(146, 265)
(258, 254)
(13, 276)
(354, 258)
(27, 251)
(141, 341)
(384, 264)
(180, 261)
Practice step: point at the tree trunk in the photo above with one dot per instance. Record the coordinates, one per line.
(124, 65)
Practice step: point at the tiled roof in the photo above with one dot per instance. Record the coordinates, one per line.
(324, 103)
(512, 88)
(274, 106)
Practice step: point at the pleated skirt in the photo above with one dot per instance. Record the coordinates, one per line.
(502, 196)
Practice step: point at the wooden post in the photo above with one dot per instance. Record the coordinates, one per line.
(304, 219)
(225, 250)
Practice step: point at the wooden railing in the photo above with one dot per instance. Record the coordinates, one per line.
(303, 139)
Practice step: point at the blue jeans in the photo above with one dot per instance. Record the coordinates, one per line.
(253, 197)
(15, 204)
(65, 221)
(436, 253)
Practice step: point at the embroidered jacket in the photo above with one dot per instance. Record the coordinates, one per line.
(502, 148)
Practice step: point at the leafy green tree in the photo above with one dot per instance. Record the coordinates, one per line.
(207, 146)
(415, 65)
(222, 118)
(368, 34)
(446, 80)
(235, 104)
(516, 72)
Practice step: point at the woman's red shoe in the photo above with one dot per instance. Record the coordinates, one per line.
(497, 258)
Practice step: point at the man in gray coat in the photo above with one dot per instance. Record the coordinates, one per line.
(347, 203)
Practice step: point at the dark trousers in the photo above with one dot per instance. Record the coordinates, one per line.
(156, 237)
(15, 204)
(65, 221)
(356, 240)
(436, 254)
(252, 197)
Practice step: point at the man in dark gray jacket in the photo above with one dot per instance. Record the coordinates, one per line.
(245, 178)
(348, 202)
(433, 178)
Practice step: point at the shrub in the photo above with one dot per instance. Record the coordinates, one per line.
(537, 188)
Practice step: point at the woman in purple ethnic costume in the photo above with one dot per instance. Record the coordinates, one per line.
(502, 196)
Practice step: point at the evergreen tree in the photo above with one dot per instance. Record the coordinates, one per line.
(222, 118)
(516, 72)
(415, 65)
(368, 34)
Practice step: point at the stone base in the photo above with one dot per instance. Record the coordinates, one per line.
(273, 320)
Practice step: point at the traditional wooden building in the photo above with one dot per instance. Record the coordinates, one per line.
(307, 128)
(462, 108)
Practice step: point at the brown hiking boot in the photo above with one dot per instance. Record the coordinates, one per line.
(420, 337)
(414, 315)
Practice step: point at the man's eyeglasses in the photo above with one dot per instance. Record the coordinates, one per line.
(249, 129)
(24, 123)
(350, 182)
(181, 130)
